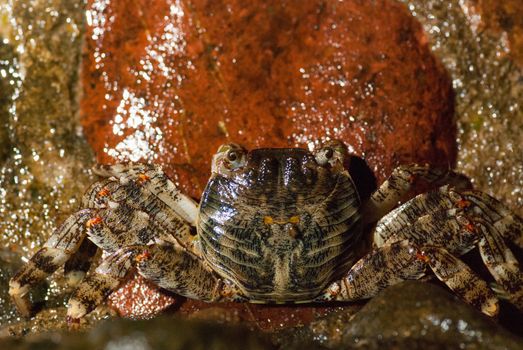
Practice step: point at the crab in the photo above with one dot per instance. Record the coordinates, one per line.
(279, 225)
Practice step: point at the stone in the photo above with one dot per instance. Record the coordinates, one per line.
(411, 314)
(160, 333)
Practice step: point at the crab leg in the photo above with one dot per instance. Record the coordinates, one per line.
(55, 252)
(79, 263)
(460, 278)
(154, 182)
(401, 181)
(470, 203)
(179, 271)
(501, 264)
(169, 267)
(474, 219)
(450, 228)
(505, 222)
(402, 260)
(380, 268)
(93, 290)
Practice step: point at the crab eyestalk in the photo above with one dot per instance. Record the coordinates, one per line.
(228, 157)
(333, 153)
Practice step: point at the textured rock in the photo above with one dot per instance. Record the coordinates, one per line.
(503, 18)
(412, 315)
(45, 162)
(488, 86)
(189, 76)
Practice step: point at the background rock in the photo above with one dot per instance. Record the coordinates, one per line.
(189, 76)
(488, 86)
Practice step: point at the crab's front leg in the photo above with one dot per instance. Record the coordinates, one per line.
(458, 221)
(62, 244)
(427, 232)
(148, 225)
(170, 267)
(402, 181)
(399, 261)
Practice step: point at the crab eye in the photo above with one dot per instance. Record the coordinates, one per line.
(229, 157)
(328, 152)
(232, 155)
(332, 154)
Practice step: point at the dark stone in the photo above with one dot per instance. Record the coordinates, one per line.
(160, 333)
(410, 315)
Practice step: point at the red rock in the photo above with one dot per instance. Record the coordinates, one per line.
(169, 81)
(139, 299)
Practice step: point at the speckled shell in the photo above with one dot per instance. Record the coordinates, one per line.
(281, 227)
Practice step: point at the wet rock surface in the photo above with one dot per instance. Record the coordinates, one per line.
(191, 75)
(44, 156)
(411, 314)
(488, 86)
(44, 159)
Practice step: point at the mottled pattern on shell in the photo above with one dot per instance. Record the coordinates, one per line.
(282, 227)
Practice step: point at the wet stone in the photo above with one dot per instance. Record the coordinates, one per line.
(161, 333)
(9, 263)
(6, 90)
(193, 75)
(412, 314)
(488, 88)
(44, 160)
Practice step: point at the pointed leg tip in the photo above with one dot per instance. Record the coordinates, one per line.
(74, 278)
(491, 307)
(15, 288)
(17, 294)
(75, 310)
(73, 323)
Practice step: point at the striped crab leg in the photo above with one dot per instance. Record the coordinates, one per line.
(399, 261)
(55, 252)
(169, 267)
(66, 245)
(402, 181)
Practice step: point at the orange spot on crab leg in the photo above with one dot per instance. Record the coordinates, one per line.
(421, 256)
(145, 255)
(294, 220)
(103, 192)
(142, 178)
(94, 221)
(267, 220)
(470, 228)
(463, 203)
